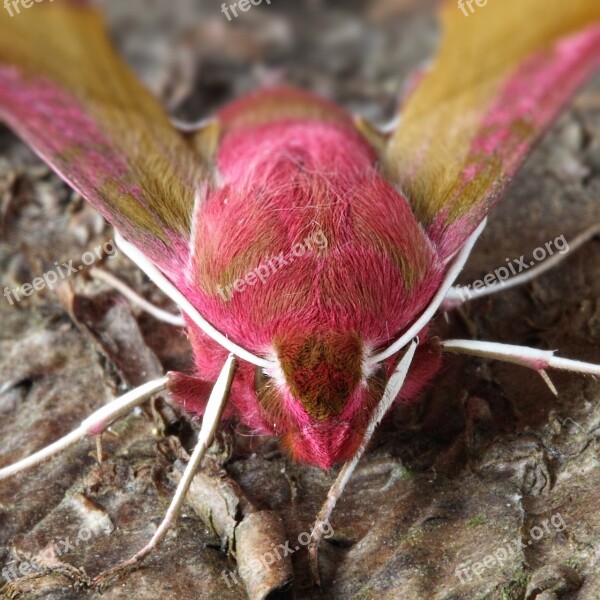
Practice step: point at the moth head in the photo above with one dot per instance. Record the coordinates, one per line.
(318, 397)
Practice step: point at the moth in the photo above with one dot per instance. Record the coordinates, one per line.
(309, 252)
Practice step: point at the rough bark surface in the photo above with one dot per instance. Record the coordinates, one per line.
(470, 473)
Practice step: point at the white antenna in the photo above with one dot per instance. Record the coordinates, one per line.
(428, 313)
(148, 267)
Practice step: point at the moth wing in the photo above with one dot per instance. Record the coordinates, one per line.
(65, 91)
(502, 74)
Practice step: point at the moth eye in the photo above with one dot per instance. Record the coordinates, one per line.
(261, 381)
(269, 399)
(379, 376)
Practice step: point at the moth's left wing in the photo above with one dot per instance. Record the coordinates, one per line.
(503, 72)
(67, 93)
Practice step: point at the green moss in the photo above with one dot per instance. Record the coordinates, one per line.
(572, 563)
(516, 588)
(477, 520)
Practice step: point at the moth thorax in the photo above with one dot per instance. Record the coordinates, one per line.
(322, 371)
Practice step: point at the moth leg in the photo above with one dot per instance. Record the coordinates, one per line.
(458, 295)
(548, 382)
(99, 449)
(210, 423)
(520, 355)
(393, 387)
(135, 298)
(94, 425)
